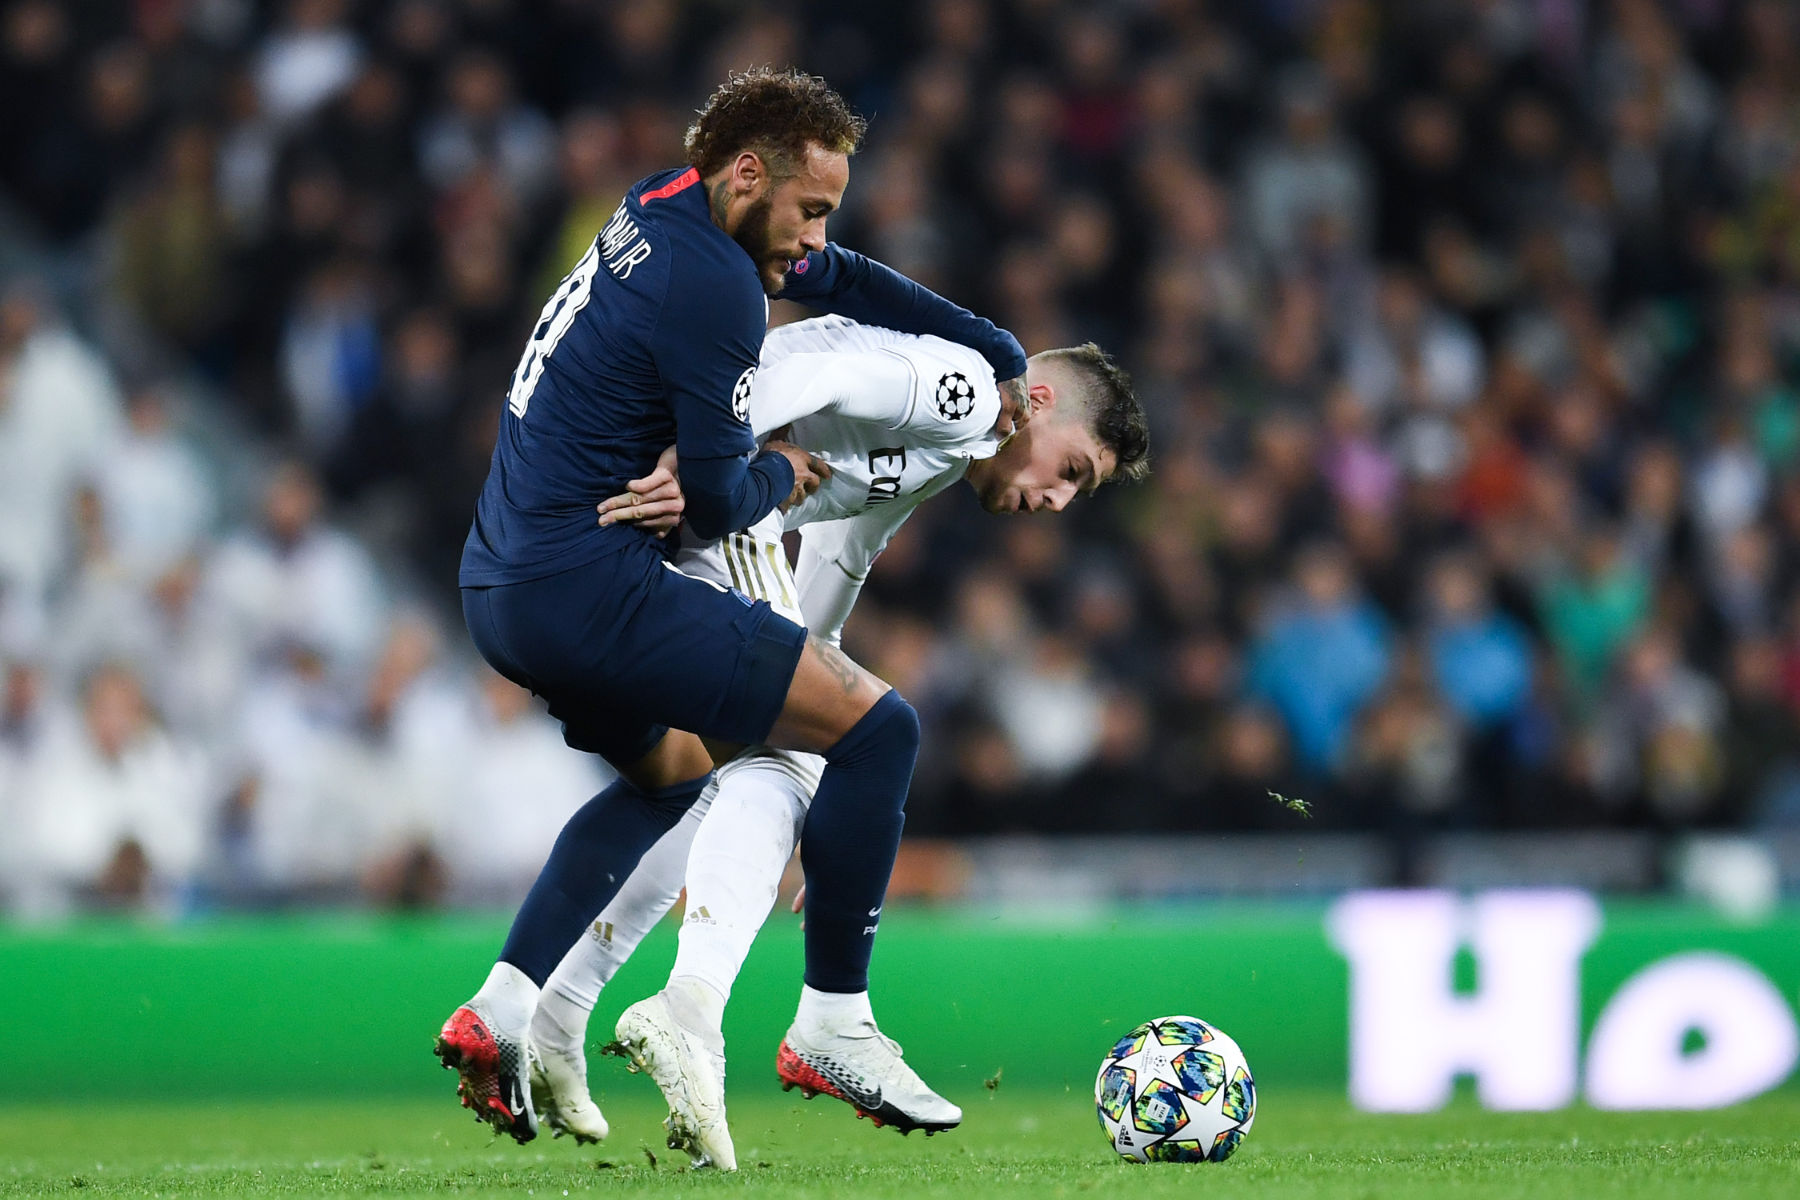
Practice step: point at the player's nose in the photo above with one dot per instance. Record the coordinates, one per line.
(1058, 499)
(813, 236)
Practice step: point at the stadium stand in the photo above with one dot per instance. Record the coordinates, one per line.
(1470, 332)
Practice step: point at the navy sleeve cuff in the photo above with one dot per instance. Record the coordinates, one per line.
(727, 494)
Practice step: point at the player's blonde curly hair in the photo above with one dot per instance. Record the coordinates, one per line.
(776, 114)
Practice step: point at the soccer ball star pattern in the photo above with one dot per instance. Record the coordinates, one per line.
(955, 396)
(1175, 1090)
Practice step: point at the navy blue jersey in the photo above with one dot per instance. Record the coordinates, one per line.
(653, 338)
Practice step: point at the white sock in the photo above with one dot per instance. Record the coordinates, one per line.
(649, 892)
(735, 866)
(559, 1023)
(696, 1003)
(510, 998)
(833, 1012)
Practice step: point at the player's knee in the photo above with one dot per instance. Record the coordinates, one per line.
(906, 722)
(889, 731)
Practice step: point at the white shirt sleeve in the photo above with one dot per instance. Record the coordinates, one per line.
(933, 399)
(871, 385)
(835, 557)
(955, 399)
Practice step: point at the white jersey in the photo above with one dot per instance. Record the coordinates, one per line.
(898, 417)
(889, 412)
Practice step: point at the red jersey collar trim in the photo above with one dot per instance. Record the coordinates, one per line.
(680, 183)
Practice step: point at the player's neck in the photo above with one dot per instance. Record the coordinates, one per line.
(718, 199)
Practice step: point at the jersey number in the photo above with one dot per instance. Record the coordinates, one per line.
(570, 297)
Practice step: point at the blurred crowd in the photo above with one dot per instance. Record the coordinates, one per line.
(207, 712)
(1469, 329)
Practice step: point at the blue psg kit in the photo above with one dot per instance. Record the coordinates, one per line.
(654, 339)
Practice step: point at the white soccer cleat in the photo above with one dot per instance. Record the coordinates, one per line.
(863, 1067)
(559, 1092)
(689, 1066)
(490, 1064)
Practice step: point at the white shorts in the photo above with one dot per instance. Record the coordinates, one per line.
(755, 563)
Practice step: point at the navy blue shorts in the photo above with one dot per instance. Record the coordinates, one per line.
(626, 647)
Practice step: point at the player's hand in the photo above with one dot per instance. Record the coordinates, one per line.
(653, 503)
(799, 904)
(1015, 407)
(809, 471)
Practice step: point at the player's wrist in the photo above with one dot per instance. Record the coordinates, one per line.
(780, 462)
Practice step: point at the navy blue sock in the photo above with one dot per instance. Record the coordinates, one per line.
(849, 841)
(595, 852)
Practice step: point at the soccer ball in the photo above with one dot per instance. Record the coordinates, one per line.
(1175, 1090)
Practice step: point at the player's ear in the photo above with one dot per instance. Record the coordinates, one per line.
(1041, 397)
(748, 171)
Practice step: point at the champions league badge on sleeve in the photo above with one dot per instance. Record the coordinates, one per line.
(955, 396)
(740, 395)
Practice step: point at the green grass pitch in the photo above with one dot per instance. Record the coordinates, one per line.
(1011, 1144)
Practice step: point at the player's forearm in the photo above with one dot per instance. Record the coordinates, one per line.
(725, 494)
(849, 284)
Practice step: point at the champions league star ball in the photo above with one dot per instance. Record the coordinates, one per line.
(1175, 1090)
(954, 398)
